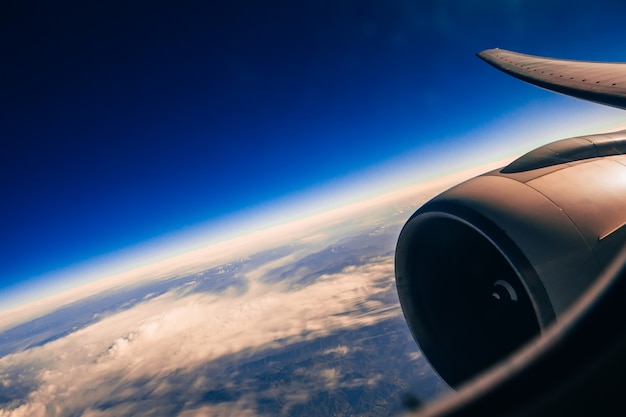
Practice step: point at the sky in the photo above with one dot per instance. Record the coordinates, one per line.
(125, 123)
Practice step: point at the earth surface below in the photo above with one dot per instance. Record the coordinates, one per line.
(298, 319)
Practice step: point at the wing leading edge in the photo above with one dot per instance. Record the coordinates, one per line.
(600, 82)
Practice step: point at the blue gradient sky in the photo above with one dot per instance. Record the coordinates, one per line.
(126, 121)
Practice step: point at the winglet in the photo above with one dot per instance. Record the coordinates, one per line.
(600, 82)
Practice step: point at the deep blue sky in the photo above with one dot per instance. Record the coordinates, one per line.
(122, 121)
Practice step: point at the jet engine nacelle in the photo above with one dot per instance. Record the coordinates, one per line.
(490, 263)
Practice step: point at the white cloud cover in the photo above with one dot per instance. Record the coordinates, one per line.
(177, 334)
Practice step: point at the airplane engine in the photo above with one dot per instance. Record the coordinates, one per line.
(487, 265)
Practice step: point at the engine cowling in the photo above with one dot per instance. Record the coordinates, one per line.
(487, 265)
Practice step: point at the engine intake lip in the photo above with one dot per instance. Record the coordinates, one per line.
(449, 259)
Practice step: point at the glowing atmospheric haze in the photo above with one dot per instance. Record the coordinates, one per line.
(321, 226)
(553, 119)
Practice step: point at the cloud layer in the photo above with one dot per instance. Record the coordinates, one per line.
(107, 362)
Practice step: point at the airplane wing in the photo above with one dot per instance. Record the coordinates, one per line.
(599, 82)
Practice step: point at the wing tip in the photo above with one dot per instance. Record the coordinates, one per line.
(491, 57)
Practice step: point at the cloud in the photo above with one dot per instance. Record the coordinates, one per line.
(240, 408)
(339, 350)
(259, 273)
(131, 353)
(331, 376)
